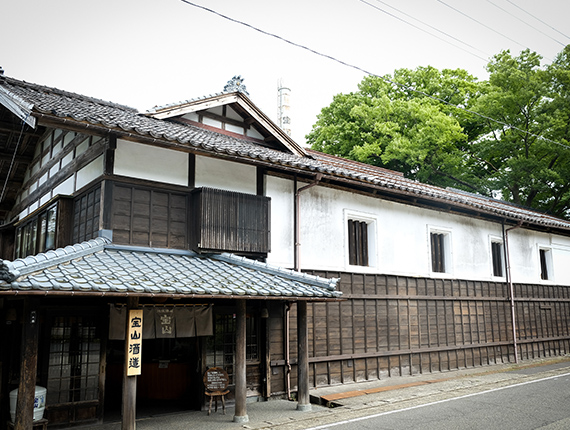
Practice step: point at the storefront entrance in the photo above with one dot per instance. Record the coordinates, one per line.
(170, 380)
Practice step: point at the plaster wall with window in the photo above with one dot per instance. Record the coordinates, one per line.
(399, 241)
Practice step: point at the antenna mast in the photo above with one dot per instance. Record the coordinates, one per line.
(283, 107)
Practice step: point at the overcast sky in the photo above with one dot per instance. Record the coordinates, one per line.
(145, 53)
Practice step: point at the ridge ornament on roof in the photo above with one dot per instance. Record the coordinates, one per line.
(235, 84)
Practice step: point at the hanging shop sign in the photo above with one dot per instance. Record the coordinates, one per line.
(134, 337)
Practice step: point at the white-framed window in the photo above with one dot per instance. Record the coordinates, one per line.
(545, 263)
(360, 239)
(440, 250)
(497, 257)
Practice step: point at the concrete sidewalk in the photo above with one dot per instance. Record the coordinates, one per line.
(359, 399)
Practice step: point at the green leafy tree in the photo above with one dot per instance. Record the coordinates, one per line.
(387, 124)
(507, 136)
(518, 156)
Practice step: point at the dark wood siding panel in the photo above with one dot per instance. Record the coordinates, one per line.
(149, 217)
(428, 325)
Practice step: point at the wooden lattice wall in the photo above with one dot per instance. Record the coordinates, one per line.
(391, 325)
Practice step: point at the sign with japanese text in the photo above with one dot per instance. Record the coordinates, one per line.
(134, 339)
(216, 379)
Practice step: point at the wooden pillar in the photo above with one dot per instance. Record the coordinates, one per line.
(129, 407)
(29, 366)
(304, 403)
(240, 375)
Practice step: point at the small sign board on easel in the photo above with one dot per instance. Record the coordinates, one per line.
(216, 379)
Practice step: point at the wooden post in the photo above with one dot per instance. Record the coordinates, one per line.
(129, 409)
(304, 403)
(267, 336)
(240, 375)
(29, 366)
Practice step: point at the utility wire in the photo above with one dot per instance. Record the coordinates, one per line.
(13, 158)
(421, 29)
(385, 79)
(431, 26)
(480, 23)
(538, 19)
(524, 22)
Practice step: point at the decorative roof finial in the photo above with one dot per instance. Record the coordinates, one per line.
(235, 84)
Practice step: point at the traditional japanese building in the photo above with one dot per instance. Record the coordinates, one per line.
(240, 249)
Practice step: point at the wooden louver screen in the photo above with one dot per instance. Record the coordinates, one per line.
(496, 251)
(437, 252)
(543, 265)
(230, 221)
(357, 243)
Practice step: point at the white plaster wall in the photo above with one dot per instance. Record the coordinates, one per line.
(141, 161)
(65, 188)
(401, 238)
(561, 261)
(89, 173)
(225, 175)
(282, 224)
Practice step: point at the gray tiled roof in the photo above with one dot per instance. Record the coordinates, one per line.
(97, 266)
(63, 104)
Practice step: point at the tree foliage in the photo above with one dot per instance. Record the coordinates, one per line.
(505, 136)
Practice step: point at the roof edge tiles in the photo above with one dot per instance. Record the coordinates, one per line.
(99, 267)
(328, 283)
(12, 270)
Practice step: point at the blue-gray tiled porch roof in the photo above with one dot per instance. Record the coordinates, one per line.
(99, 267)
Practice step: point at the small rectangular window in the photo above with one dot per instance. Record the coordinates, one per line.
(357, 243)
(544, 263)
(497, 257)
(437, 252)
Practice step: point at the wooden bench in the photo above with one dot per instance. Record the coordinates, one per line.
(216, 382)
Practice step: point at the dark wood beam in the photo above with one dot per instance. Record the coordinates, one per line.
(129, 382)
(6, 156)
(304, 403)
(240, 375)
(29, 365)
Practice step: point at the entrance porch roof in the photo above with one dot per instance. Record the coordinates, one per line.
(97, 267)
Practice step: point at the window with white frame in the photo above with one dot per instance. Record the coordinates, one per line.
(440, 250)
(360, 239)
(497, 257)
(545, 258)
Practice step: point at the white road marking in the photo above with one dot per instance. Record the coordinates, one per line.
(327, 426)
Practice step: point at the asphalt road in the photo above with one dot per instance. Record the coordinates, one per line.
(537, 404)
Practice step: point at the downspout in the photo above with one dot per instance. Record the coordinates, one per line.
(296, 267)
(510, 282)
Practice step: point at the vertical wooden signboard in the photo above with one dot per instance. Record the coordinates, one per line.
(134, 337)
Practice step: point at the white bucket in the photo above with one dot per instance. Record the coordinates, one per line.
(39, 403)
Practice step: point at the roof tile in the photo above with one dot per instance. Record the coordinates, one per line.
(114, 116)
(99, 266)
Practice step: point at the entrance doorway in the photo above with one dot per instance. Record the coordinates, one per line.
(170, 379)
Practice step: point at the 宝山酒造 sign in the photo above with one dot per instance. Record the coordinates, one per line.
(134, 337)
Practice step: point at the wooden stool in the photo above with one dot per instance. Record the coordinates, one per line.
(216, 382)
(214, 395)
(39, 424)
